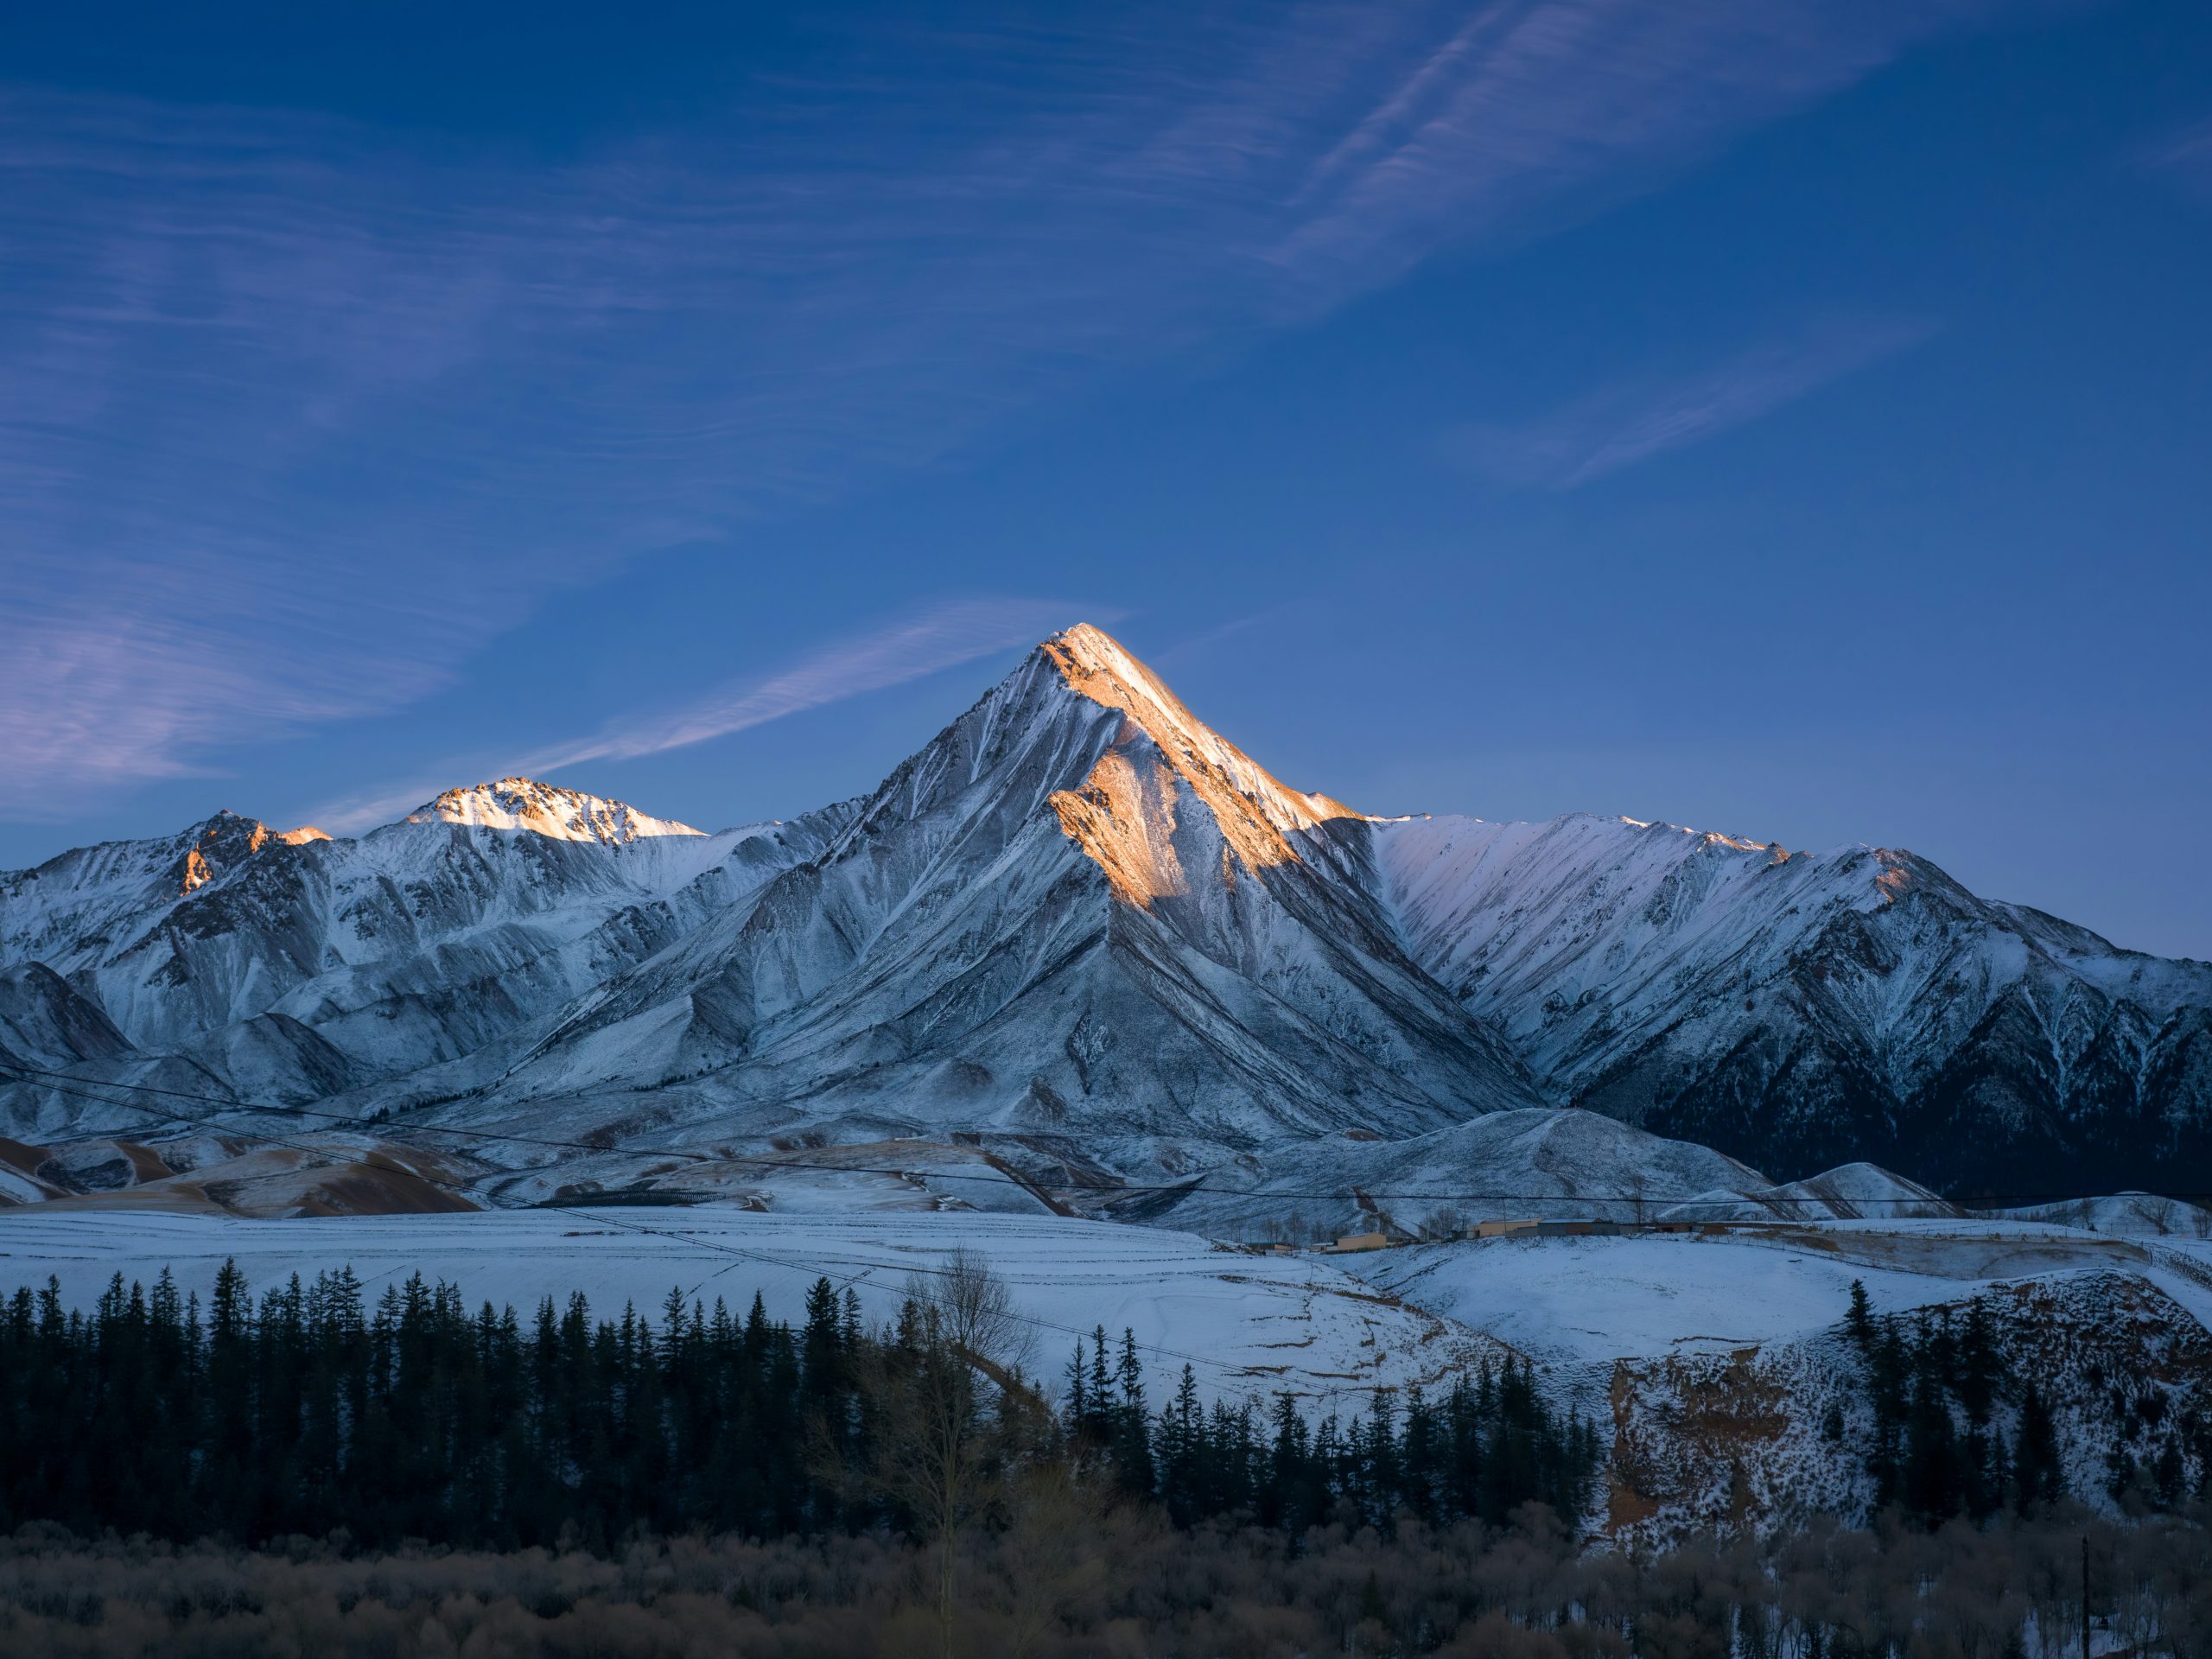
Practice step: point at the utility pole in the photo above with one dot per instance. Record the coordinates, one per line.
(2085, 1596)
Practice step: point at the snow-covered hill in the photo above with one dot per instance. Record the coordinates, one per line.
(1081, 931)
(1852, 1192)
(2125, 1215)
(1533, 1162)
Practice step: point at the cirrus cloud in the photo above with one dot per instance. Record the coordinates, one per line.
(1635, 420)
(938, 637)
(296, 415)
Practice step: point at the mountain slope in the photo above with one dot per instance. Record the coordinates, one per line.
(296, 967)
(1080, 928)
(1076, 913)
(1802, 1010)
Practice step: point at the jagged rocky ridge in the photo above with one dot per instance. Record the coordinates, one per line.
(1085, 930)
(1800, 1010)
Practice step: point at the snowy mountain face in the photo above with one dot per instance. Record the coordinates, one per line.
(1076, 916)
(289, 969)
(523, 805)
(1082, 929)
(1800, 1010)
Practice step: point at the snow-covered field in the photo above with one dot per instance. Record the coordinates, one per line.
(1584, 1299)
(1605, 1299)
(1320, 1326)
(1704, 1354)
(1249, 1324)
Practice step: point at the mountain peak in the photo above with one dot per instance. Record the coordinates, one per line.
(222, 842)
(1088, 649)
(1097, 666)
(526, 804)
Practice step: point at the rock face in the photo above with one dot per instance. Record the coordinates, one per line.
(1707, 1442)
(1081, 926)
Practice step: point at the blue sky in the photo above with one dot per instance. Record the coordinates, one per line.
(1792, 421)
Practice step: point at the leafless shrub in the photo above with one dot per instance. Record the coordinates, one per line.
(1058, 1578)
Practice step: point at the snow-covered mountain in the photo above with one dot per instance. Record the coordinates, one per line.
(1085, 930)
(292, 968)
(1076, 917)
(1800, 1010)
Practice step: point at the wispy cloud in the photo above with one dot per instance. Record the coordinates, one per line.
(941, 637)
(296, 416)
(2187, 153)
(1621, 425)
(1202, 644)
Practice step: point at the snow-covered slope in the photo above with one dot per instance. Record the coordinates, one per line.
(1803, 1009)
(297, 968)
(1852, 1192)
(1085, 930)
(2125, 1215)
(1538, 1163)
(1076, 916)
(1533, 1162)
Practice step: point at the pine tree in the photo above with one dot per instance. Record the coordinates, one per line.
(2037, 1479)
(422, 1419)
(1858, 1323)
(1978, 1364)
(1133, 1459)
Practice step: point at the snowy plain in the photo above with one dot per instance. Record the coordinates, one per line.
(1250, 1326)
(1328, 1328)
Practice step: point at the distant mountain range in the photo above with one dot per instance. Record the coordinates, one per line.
(1081, 930)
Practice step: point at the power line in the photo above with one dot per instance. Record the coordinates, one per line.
(391, 1130)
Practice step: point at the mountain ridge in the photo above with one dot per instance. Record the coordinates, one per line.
(1081, 923)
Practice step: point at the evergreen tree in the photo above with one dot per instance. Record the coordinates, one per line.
(309, 1410)
(2036, 1475)
(1859, 1323)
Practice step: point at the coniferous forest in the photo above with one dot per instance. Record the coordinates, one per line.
(301, 1470)
(1939, 1447)
(307, 1410)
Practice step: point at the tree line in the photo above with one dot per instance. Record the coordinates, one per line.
(425, 1478)
(309, 1410)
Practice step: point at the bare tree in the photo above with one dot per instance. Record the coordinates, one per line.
(981, 1319)
(953, 1414)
